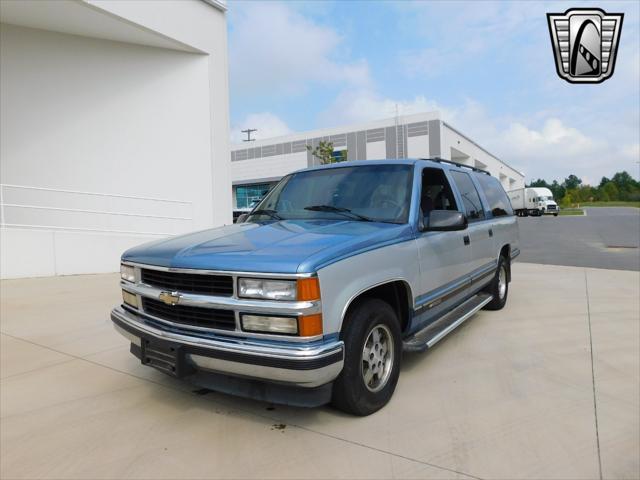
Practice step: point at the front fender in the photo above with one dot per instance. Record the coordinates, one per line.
(343, 281)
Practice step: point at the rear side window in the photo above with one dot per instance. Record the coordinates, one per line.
(499, 203)
(470, 198)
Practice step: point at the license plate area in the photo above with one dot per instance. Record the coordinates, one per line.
(165, 356)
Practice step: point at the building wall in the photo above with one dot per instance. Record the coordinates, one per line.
(201, 25)
(459, 148)
(105, 145)
(414, 136)
(249, 170)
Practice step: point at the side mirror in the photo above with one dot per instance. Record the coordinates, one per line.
(242, 218)
(445, 220)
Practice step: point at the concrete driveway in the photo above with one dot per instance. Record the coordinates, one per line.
(546, 388)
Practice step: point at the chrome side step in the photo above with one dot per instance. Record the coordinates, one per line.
(433, 333)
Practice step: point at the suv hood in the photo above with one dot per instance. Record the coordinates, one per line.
(287, 246)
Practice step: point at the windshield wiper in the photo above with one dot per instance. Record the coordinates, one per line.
(266, 211)
(345, 211)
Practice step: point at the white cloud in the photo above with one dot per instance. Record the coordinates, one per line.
(632, 151)
(554, 135)
(554, 150)
(457, 34)
(276, 50)
(362, 105)
(541, 145)
(267, 124)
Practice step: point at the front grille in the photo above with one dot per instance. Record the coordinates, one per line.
(194, 316)
(220, 285)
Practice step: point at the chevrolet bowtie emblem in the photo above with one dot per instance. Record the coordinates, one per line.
(170, 298)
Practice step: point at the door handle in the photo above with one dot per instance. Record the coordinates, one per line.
(491, 232)
(466, 239)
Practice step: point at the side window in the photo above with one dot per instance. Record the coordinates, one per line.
(469, 194)
(499, 203)
(436, 192)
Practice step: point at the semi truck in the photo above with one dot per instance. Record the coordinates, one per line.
(535, 201)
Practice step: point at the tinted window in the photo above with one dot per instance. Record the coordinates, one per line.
(469, 194)
(499, 203)
(378, 192)
(436, 192)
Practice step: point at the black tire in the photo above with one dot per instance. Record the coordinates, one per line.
(350, 393)
(499, 301)
(555, 214)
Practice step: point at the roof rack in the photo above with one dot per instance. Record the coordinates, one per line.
(461, 165)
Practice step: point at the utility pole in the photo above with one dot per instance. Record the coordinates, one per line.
(248, 131)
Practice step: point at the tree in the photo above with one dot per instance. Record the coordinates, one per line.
(604, 181)
(557, 190)
(567, 200)
(325, 153)
(610, 190)
(572, 182)
(621, 186)
(627, 186)
(539, 183)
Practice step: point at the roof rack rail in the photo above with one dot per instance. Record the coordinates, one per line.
(461, 165)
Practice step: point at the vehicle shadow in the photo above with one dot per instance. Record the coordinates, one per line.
(307, 417)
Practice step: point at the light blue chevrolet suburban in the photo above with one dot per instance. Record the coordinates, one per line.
(334, 274)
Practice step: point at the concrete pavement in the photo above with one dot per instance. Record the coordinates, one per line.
(546, 388)
(607, 237)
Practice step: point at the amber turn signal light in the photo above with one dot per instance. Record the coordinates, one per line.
(308, 289)
(310, 325)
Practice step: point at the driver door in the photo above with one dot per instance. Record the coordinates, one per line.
(444, 256)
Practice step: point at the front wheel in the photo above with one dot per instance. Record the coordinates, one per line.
(373, 351)
(499, 287)
(555, 214)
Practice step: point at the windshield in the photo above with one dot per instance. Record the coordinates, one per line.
(380, 193)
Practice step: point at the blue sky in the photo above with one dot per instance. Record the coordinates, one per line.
(486, 66)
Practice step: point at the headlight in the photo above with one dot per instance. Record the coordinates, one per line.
(260, 323)
(127, 273)
(306, 289)
(267, 289)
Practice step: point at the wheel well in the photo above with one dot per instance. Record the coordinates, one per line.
(396, 293)
(505, 252)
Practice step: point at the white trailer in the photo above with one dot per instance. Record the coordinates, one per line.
(534, 201)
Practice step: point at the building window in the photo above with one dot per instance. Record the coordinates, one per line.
(248, 194)
(339, 155)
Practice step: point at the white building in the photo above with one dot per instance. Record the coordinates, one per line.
(114, 129)
(255, 166)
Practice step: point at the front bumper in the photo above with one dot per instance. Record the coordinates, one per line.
(294, 364)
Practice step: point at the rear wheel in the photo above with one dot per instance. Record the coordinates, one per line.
(373, 351)
(499, 287)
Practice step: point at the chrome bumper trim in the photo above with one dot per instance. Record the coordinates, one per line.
(244, 305)
(304, 366)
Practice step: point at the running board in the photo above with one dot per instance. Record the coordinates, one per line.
(433, 333)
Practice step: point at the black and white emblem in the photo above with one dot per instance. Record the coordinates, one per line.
(585, 43)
